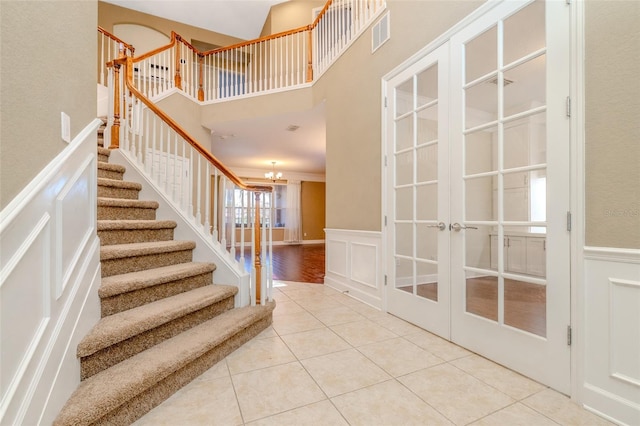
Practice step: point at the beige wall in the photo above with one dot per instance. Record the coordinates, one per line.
(109, 15)
(289, 15)
(312, 206)
(612, 110)
(48, 66)
(353, 110)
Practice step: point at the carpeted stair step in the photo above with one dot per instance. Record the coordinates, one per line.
(126, 291)
(103, 154)
(110, 171)
(120, 336)
(120, 208)
(113, 188)
(125, 392)
(123, 258)
(134, 231)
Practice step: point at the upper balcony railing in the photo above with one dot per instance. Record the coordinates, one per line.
(280, 61)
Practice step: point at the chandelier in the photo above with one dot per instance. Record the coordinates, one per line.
(272, 175)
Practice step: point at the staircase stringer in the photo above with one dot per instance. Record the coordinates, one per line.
(228, 270)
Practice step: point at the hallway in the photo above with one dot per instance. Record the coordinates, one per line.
(331, 360)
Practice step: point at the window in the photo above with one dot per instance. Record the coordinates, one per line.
(274, 204)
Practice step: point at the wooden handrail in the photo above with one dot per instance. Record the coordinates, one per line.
(112, 37)
(128, 64)
(172, 43)
(256, 41)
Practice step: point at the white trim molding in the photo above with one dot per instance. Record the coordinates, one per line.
(50, 265)
(354, 264)
(610, 382)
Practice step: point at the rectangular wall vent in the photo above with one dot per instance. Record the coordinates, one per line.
(381, 32)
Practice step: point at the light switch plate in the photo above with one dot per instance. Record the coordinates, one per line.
(65, 122)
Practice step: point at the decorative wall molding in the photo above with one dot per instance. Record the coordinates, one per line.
(354, 264)
(50, 262)
(611, 324)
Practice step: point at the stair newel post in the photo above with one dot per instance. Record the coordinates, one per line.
(257, 262)
(310, 54)
(115, 129)
(178, 78)
(201, 67)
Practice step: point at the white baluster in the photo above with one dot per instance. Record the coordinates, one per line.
(194, 176)
(243, 215)
(199, 192)
(177, 171)
(223, 219)
(207, 198)
(215, 205)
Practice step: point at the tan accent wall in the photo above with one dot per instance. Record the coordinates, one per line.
(612, 130)
(312, 206)
(48, 66)
(110, 15)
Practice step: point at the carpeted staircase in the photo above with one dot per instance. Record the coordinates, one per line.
(163, 322)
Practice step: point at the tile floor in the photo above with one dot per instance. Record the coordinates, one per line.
(331, 360)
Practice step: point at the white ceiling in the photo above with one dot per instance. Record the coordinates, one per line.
(238, 18)
(256, 143)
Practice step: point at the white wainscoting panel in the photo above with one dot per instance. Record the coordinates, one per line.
(74, 230)
(50, 264)
(353, 264)
(611, 348)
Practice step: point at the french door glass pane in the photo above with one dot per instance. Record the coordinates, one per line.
(525, 141)
(478, 247)
(481, 153)
(427, 163)
(404, 168)
(481, 295)
(481, 104)
(427, 202)
(404, 203)
(426, 241)
(427, 125)
(529, 21)
(404, 97)
(481, 55)
(427, 280)
(404, 133)
(527, 89)
(427, 81)
(404, 274)
(404, 239)
(479, 199)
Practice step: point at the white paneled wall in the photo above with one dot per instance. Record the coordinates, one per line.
(50, 263)
(354, 264)
(611, 346)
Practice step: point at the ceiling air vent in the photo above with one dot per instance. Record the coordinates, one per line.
(380, 33)
(505, 81)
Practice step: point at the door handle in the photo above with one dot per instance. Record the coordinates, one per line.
(457, 227)
(441, 226)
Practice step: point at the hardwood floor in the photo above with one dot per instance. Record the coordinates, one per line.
(300, 263)
(525, 304)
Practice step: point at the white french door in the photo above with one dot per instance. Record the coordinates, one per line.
(419, 187)
(477, 211)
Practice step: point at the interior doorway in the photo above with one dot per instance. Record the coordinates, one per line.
(478, 189)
